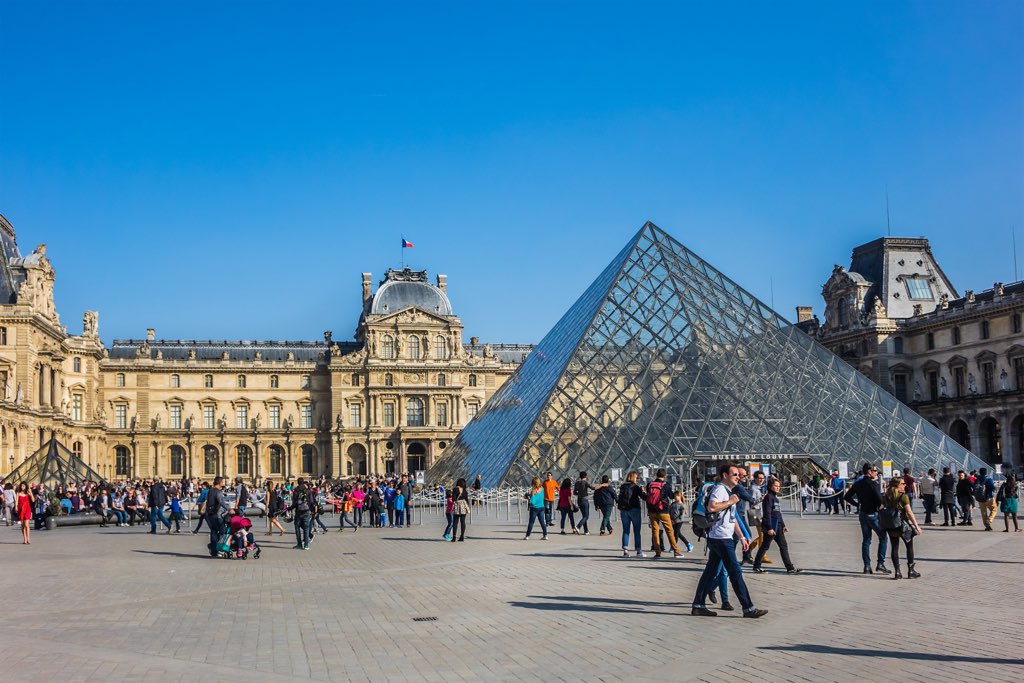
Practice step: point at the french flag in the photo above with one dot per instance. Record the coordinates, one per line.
(406, 244)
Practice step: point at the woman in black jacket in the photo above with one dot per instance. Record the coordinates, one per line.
(604, 500)
(774, 527)
(630, 497)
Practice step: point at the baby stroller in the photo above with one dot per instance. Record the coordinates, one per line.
(238, 541)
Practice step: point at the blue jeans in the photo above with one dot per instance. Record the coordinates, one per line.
(869, 523)
(120, 515)
(722, 555)
(537, 514)
(549, 512)
(584, 514)
(630, 517)
(723, 583)
(156, 513)
(303, 523)
(216, 525)
(451, 522)
(606, 519)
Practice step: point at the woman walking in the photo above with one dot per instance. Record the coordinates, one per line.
(461, 497)
(347, 505)
(536, 502)
(897, 500)
(565, 505)
(275, 509)
(604, 500)
(630, 497)
(774, 527)
(449, 513)
(1007, 499)
(23, 505)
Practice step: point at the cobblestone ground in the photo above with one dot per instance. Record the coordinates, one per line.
(91, 604)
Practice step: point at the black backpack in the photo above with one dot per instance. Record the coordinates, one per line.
(625, 496)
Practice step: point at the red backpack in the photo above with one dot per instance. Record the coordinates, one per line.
(655, 501)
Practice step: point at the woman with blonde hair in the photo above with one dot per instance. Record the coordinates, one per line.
(902, 524)
(536, 502)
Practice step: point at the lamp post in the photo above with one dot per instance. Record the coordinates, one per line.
(12, 463)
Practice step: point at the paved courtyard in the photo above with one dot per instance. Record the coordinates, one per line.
(91, 604)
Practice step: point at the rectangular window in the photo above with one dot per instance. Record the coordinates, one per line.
(275, 417)
(442, 414)
(1018, 371)
(306, 414)
(389, 414)
(274, 382)
(76, 407)
(3, 336)
(209, 421)
(208, 381)
(76, 365)
(175, 381)
(241, 417)
(120, 379)
(1015, 322)
(919, 288)
(931, 341)
(471, 410)
(933, 385)
(176, 417)
(984, 329)
(356, 415)
(956, 336)
(958, 381)
(987, 378)
(121, 416)
(900, 386)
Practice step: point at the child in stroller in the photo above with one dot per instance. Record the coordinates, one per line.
(242, 538)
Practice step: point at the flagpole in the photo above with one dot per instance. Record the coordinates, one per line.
(403, 252)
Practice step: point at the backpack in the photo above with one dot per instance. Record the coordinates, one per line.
(625, 496)
(700, 519)
(979, 489)
(655, 501)
(302, 505)
(890, 519)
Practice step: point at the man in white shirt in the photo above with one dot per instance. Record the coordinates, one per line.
(722, 546)
(928, 484)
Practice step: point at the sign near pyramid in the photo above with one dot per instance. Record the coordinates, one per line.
(664, 359)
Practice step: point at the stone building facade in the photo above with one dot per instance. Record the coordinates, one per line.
(956, 360)
(389, 401)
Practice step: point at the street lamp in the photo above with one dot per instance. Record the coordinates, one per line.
(12, 463)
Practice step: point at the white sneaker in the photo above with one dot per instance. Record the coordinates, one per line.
(641, 554)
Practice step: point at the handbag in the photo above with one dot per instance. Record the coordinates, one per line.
(574, 507)
(908, 531)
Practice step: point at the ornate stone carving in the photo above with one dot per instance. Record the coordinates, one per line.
(91, 324)
(191, 354)
(413, 377)
(356, 357)
(969, 295)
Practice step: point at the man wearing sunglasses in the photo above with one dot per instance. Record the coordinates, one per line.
(722, 535)
(868, 494)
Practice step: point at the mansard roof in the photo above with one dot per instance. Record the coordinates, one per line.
(241, 350)
(401, 289)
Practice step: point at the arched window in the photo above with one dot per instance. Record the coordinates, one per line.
(389, 379)
(844, 317)
(414, 413)
(177, 460)
(276, 460)
(208, 381)
(243, 459)
(122, 458)
(240, 382)
(355, 379)
(414, 347)
(209, 460)
(120, 379)
(275, 382)
(387, 347)
(175, 381)
(472, 380)
(440, 348)
(442, 380)
(307, 459)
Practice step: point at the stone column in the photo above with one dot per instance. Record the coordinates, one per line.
(44, 385)
(1009, 454)
(256, 458)
(975, 437)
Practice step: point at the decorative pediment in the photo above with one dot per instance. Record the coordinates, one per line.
(1015, 351)
(411, 315)
(931, 366)
(901, 368)
(985, 356)
(957, 360)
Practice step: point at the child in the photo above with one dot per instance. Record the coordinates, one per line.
(675, 512)
(399, 508)
(241, 536)
(176, 513)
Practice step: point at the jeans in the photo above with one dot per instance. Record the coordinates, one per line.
(302, 522)
(317, 521)
(176, 518)
(630, 517)
(722, 555)
(537, 514)
(357, 513)
(343, 520)
(661, 521)
(391, 514)
(803, 502)
(929, 507)
(549, 512)
(572, 517)
(408, 513)
(451, 522)
(780, 539)
(606, 518)
(216, 525)
(399, 517)
(584, 514)
(156, 513)
(948, 514)
(122, 518)
(868, 524)
(677, 529)
(966, 505)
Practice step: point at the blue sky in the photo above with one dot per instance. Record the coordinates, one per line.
(227, 170)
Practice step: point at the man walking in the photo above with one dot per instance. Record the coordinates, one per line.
(216, 506)
(984, 486)
(869, 498)
(928, 485)
(659, 497)
(581, 489)
(947, 497)
(156, 500)
(241, 496)
(722, 546)
(302, 514)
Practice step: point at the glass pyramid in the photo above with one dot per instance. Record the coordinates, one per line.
(662, 359)
(51, 465)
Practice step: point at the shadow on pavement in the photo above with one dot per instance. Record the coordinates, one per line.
(578, 607)
(893, 654)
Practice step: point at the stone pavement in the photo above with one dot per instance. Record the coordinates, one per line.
(91, 604)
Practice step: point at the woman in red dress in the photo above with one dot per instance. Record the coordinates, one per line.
(23, 506)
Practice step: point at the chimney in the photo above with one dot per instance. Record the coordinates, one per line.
(150, 334)
(474, 341)
(367, 288)
(804, 313)
(442, 283)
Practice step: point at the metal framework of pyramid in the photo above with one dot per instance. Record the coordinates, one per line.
(662, 359)
(53, 464)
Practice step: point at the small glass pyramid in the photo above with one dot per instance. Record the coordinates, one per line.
(51, 465)
(663, 358)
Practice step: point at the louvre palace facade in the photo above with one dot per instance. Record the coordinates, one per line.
(391, 400)
(958, 360)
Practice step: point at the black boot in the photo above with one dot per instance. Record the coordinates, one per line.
(896, 573)
(911, 572)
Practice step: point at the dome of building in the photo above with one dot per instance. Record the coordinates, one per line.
(406, 288)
